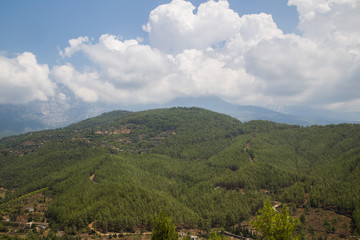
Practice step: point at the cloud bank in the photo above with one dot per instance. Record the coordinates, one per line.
(22, 80)
(212, 51)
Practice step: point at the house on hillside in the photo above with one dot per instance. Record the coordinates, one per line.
(43, 226)
(30, 210)
(193, 237)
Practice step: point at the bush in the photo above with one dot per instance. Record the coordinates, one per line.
(3, 228)
(163, 228)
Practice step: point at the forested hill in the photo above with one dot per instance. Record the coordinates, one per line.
(204, 169)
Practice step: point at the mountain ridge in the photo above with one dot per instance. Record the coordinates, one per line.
(202, 168)
(40, 116)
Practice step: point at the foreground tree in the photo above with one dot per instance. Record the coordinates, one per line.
(163, 228)
(215, 236)
(275, 225)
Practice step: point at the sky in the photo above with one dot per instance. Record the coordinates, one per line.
(272, 54)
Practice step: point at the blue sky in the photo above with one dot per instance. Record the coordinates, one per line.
(43, 26)
(274, 54)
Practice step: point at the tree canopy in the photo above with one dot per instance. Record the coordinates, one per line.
(275, 225)
(163, 228)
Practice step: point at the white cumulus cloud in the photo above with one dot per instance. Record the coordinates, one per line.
(127, 72)
(22, 80)
(331, 22)
(211, 50)
(74, 46)
(174, 27)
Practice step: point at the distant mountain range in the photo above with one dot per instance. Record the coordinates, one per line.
(304, 116)
(17, 119)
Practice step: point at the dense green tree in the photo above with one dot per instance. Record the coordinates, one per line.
(215, 236)
(163, 228)
(194, 164)
(3, 228)
(356, 221)
(275, 225)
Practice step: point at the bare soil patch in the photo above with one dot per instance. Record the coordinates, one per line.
(316, 219)
(92, 178)
(2, 192)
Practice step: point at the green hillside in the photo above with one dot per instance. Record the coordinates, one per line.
(203, 169)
